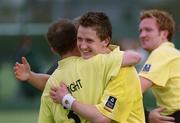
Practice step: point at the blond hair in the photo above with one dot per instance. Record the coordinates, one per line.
(163, 19)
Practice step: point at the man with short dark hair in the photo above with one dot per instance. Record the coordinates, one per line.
(94, 36)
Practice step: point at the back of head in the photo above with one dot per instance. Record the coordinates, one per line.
(99, 21)
(61, 36)
(75, 21)
(163, 19)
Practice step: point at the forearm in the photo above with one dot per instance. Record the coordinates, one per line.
(89, 112)
(130, 58)
(38, 80)
(145, 84)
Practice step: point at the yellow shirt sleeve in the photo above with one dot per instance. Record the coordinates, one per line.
(109, 63)
(120, 95)
(156, 67)
(45, 115)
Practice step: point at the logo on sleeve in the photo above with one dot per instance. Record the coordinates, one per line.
(146, 67)
(110, 103)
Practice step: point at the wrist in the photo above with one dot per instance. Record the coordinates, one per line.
(30, 76)
(67, 101)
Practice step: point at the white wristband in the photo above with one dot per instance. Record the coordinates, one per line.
(67, 101)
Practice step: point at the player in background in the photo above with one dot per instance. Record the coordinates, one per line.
(161, 71)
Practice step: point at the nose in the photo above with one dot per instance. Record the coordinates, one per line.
(83, 45)
(142, 34)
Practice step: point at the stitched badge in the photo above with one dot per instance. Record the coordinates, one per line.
(110, 103)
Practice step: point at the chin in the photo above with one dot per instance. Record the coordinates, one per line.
(147, 49)
(144, 47)
(86, 57)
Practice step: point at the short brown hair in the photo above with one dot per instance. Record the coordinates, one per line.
(62, 36)
(99, 21)
(163, 19)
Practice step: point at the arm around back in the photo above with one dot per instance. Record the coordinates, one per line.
(23, 72)
(131, 58)
(89, 112)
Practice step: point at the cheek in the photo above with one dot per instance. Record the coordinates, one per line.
(98, 46)
(77, 43)
(94, 48)
(154, 34)
(151, 35)
(154, 39)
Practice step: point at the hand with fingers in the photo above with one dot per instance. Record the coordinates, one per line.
(22, 70)
(57, 92)
(156, 117)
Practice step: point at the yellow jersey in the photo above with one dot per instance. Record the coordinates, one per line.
(86, 80)
(122, 99)
(163, 69)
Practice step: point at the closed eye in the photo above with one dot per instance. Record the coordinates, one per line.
(89, 40)
(79, 39)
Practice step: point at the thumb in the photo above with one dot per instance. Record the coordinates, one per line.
(62, 83)
(24, 61)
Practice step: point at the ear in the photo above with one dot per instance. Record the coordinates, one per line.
(106, 42)
(165, 34)
(53, 50)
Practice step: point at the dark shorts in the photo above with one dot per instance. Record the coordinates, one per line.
(176, 115)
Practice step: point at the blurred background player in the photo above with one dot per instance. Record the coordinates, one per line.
(24, 49)
(161, 71)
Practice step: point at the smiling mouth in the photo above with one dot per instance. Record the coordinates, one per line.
(85, 52)
(144, 39)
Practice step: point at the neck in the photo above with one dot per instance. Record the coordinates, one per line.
(162, 41)
(105, 50)
(74, 52)
(66, 55)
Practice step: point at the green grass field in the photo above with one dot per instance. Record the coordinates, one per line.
(19, 116)
(12, 108)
